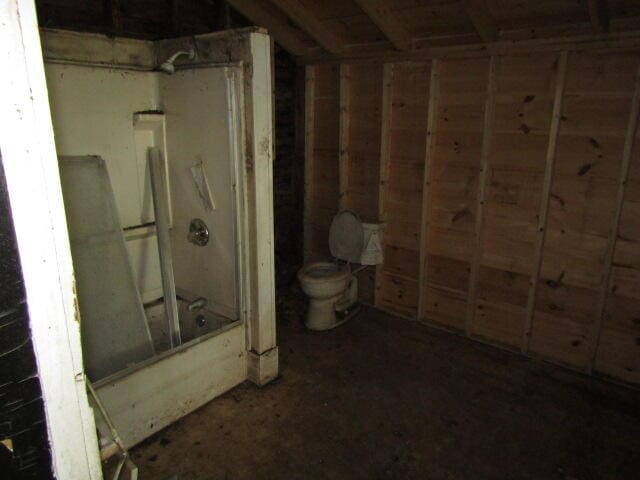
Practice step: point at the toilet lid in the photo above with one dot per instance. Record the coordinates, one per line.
(346, 237)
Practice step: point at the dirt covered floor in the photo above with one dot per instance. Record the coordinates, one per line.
(385, 398)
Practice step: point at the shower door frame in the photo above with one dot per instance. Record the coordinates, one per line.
(252, 47)
(143, 387)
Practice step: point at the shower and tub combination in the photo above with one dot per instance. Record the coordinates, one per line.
(167, 186)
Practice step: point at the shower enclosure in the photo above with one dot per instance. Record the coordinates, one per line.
(167, 185)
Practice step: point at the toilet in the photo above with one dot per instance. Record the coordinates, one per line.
(331, 285)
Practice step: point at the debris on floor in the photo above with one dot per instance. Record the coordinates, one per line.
(384, 398)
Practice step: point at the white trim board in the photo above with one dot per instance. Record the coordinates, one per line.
(31, 167)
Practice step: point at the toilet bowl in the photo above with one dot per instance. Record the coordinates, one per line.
(330, 285)
(325, 283)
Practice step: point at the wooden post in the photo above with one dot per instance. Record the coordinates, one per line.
(385, 153)
(632, 127)
(544, 201)
(112, 12)
(344, 136)
(489, 115)
(297, 180)
(434, 93)
(309, 117)
(599, 15)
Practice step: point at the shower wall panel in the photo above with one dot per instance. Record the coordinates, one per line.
(93, 114)
(197, 105)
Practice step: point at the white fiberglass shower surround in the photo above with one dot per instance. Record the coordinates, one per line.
(210, 125)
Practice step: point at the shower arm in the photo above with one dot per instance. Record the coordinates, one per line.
(174, 57)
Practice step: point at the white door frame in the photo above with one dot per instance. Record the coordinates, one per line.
(31, 168)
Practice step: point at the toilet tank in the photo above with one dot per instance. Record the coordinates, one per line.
(372, 244)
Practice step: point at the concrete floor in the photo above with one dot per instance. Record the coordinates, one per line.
(385, 398)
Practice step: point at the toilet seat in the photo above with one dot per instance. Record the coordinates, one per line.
(321, 272)
(346, 237)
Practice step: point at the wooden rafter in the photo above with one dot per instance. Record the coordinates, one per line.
(482, 20)
(282, 33)
(388, 22)
(307, 21)
(599, 15)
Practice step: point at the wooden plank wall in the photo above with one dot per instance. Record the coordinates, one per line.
(321, 196)
(525, 94)
(406, 136)
(618, 340)
(454, 171)
(510, 188)
(595, 114)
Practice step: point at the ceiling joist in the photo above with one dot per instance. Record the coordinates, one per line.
(282, 33)
(307, 21)
(388, 22)
(482, 20)
(599, 15)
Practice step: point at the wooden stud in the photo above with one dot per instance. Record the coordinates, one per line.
(434, 93)
(309, 23)
(284, 34)
(385, 154)
(344, 137)
(599, 15)
(298, 173)
(545, 196)
(482, 20)
(487, 133)
(632, 127)
(387, 21)
(309, 116)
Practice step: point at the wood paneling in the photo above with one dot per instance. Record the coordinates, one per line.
(322, 107)
(407, 133)
(510, 188)
(597, 100)
(454, 173)
(361, 107)
(616, 336)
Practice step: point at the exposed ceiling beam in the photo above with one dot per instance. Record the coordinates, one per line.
(282, 33)
(307, 21)
(599, 14)
(481, 18)
(388, 22)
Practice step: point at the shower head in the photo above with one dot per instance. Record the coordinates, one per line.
(168, 67)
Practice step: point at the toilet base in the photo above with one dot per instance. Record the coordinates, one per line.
(322, 314)
(349, 312)
(328, 313)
